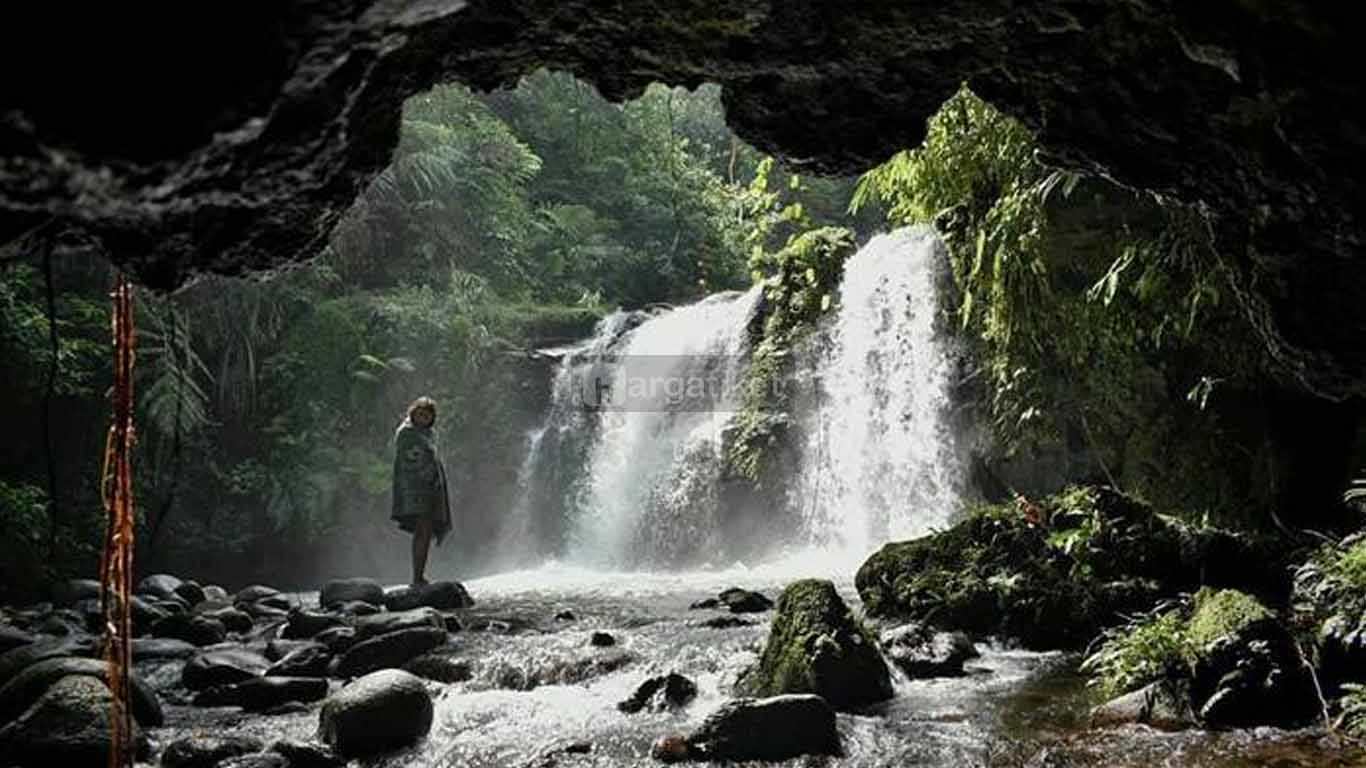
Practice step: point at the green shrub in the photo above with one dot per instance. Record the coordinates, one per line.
(1151, 648)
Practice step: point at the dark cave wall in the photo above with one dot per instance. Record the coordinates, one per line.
(231, 137)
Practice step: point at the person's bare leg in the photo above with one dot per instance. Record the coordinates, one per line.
(422, 542)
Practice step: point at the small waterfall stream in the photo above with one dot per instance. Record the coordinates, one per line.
(626, 470)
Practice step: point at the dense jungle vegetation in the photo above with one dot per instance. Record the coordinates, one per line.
(1099, 335)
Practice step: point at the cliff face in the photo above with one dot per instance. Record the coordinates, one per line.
(232, 136)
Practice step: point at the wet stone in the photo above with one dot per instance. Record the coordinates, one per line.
(207, 751)
(602, 640)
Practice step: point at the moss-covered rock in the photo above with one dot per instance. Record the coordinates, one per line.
(818, 646)
(1329, 602)
(1051, 574)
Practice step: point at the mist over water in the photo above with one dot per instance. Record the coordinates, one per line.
(626, 471)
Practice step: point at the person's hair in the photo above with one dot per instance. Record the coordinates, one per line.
(421, 404)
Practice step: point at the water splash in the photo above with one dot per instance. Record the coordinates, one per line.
(878, 460)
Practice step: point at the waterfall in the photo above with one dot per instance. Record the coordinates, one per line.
(877, 457)
(626, 469)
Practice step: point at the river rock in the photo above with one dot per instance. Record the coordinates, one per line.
(15, 661)
(222, 666)
(384, 623)
(339, 591)
(817, 646)
(306, 754)
(13, 637)
(278, 648)
(207, 751)
(265, 610)
(393, 649)
(440, 668)
(72, 591)
(356, 608)
(377, 713)
(1162, 705)
(215, 593)
(232, 618)
(744, 601)
(602, 640)
(68, 725)
(145, 614)
(310, 660)
(261, 693)
(159, 585)
(258, 760)
(305, 624)
(776, 728)
(161, 648)
(920, 652)
(724, 622)
(197, 630)
(660, 694)
(21, 692)
(442, 595)
(337, 639)
(191, 592)
(257, 593)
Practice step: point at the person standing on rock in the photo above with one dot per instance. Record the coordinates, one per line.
(421, 504)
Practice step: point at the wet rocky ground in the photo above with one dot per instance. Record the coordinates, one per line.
(546, 668)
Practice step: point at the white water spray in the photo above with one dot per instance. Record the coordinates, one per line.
(877, 460)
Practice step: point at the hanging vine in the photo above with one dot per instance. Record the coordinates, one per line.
(116, 565)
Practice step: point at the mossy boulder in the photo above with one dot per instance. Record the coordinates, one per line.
(1052, 574)
(817, 646)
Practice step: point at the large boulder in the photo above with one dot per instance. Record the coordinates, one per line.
(772, 729)
(68, 725)
(384, 623)
(338, 591)
(309, 660)
(393, 649)
(377, 713)
(207, 751)
(441, 595)
(222, 666)
(920, 652)
(261, 693)
(25, 688)
(196, 630)
(817, 646)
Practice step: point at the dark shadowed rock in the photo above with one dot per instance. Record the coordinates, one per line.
(145, 614)
(305, 624)
(72, 591)
(191, 592)
(356, 608)
(660, 694)
(377, 713)
(68, 725)
(670, 749)
(257, 593)
(566, 615)
(196, 630)
(158, 648)
(440, 668)
(234, 619)
(306, 754)
(817, 646)
(278, 649)
(1162, 705)
(19, 693)
(159, 584)
(310, 660)
(383, 623)
(339, 591)
(207, 751)
(223, 666)
(442, 595)
(705, 604)
(921, 652)
(724, 622)
(337, 639)
(262, 693)
(744, 601)
(393, 649)
(602, 640)
(13, 637)
(777, 728)
(15, 661)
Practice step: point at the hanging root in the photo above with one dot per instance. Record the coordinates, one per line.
(116, 564)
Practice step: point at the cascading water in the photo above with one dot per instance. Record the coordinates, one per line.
(651, 494)
(878, 460)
